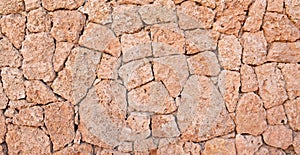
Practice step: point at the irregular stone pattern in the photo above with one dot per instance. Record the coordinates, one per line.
(157, 77)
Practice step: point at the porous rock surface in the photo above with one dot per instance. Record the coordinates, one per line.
(157, 77)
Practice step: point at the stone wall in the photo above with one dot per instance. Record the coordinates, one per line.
(159, 77)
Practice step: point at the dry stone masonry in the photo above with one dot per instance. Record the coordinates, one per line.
(150, 77)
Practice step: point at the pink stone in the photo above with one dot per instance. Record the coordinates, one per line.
(292, 109)
(164, 126)
(11, 6)
(275, 5)
(61, 53)
(108, 67)
(38, 21)
(200, 40)
(98, 11)
(255, 16)
(3, 98)
(284, 52)
(13, 83)
(2, 127)
(9, 56)
(249, 81)
(61, 4)
(278, 136)
(296, 142)
(219, 146)
(39, 93)
(276, 115)
(205, 63)
(247, 144)
(291, 74)
(30, 116)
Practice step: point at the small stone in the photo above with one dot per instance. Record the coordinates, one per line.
(20, 104)
(51, 5)
(167, 39)
(230, 52)
(255, 16)
(255, 48)
(136, 73)
(202, 114)
(267, 150)
(291, 74)
(173, 148)
(80, 66)
(200, 40)
(219, 146)
(136, 46)
(13, 26)
(126, 19)
(136, 2)
(193, 16)
(276, 115)
(292, 109)
(11, 6)
(192, 148)
(80, 149)
(249, 81)
(3, 98)
(38, 92)
(205, 63)
(9, 56)
(229, 85)
(172, 71)
(137, 127)
(61, 53)
(2, 128)
(27, 140)
(30, 116)
(278, 27)
(38, 21)
(247, 144)
(32, 4)
(276, 5)
(296, 143)
(250, 115)
(156, 13)
(207, 3)
(271, 85)
(278, 136)
(13, 83)
(151, 97)
(98, 11)
(62, 124)
(37, 51)
(67, 25)
(292, 10)
(126, 147)
(108, 67)
(164, 126)
(284, 52)
(100, 38)
(145, 145)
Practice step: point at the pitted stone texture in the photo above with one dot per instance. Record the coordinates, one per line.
(293, 11)
(136, 73)
(126, 19)
(137, 127)
(157, 13)
(98, 11)
(276, 5)
(3, 128)
(250, 115)
(247, 144)
(80, 149)
(67, 25)
(229, 85)
(13, 83)
(292, 109)
(3, 97)
(271, 85)
(108, 67)
(62, 124)
(78, 76)
(13, 27)
(266, 150)
(284, 52)
(9, 56)
(205, 63)
(219, 146)
(276, 115)
(230, 52)
(167, 39)
(207, 3)
(144, 146)
(102, 113)
(296, 142)
(38, 21)
(278, 27)
(152, 97)
(200, 40)
(172, 71)
(136, 2)
(200, 101)
(164, 126)
(32, 4)
(193, 16)
(27, 140)
(136, 46)
(38, 92)
(30, 116)
(11, 6)
(278, 136)
(20, 104)
(37, 51)
(291, 74)
(255, 16)
(178, 148)
(61, 4)
(255, 48)
(249, 81)
(61, 53)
